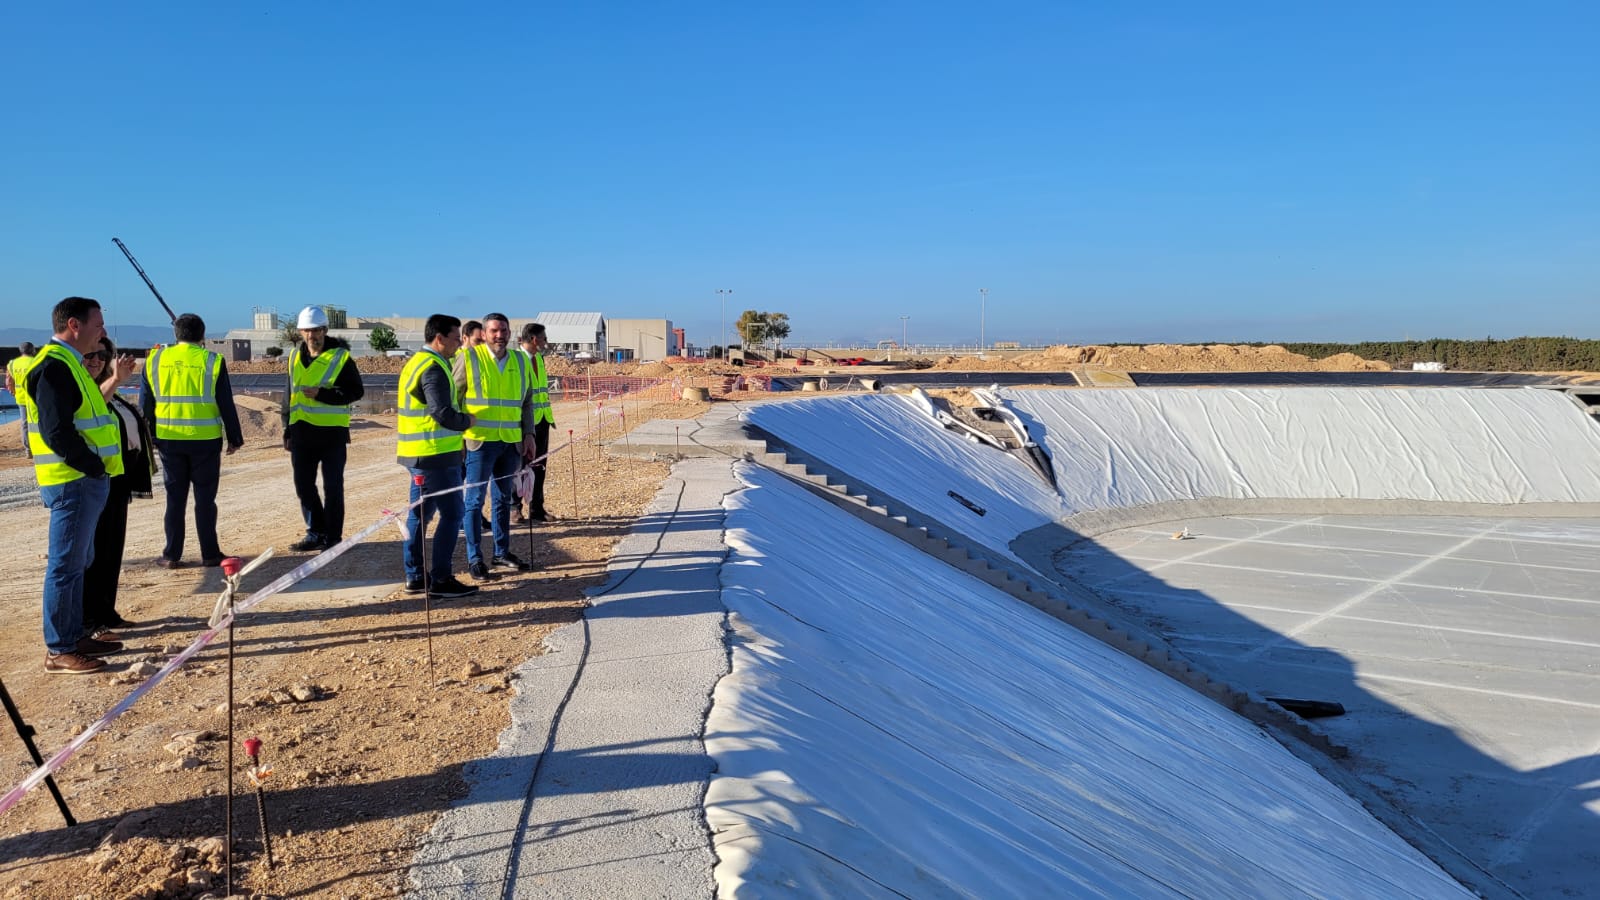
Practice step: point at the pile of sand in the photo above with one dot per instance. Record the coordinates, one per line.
(1166, 358)
(260, 420)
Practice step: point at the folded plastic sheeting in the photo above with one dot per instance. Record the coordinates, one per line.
(1130, 448)
(885, 442)
(894, 728)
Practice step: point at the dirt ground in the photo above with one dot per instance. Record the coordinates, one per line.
(371, 755)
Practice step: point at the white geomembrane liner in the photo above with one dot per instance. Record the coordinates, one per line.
(888, 444)
(1124, 448)
(892, 727)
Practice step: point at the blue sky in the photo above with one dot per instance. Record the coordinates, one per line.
(1166, 172)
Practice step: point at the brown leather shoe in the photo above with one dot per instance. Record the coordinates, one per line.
(71, 664)
(92, 647)
(105, 635)
(166, 563)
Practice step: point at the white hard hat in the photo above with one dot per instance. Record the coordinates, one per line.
(313, 317)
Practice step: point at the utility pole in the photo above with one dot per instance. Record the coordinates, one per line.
(983, 308)
(903, 332)
(724, 293)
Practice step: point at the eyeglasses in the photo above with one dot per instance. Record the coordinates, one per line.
(102, 355)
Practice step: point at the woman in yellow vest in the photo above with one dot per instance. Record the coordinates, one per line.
(76, 448)
(100, 614)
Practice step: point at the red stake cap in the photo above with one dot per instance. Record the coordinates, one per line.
(231, 566)
(416, 480)
(252, 747)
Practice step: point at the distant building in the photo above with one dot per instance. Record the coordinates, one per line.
(647, 338)
(571, 332)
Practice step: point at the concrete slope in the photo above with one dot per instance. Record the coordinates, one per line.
(892, 727)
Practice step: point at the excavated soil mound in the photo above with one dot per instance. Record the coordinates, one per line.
(1165, 358)
(260, 419)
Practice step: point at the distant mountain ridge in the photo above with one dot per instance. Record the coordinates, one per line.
(123, 335)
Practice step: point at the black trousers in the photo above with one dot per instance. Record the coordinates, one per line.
(541, 446)
(324, 515)
(110, 537)
(186, 465)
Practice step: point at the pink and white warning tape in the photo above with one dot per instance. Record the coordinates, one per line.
(284, 581)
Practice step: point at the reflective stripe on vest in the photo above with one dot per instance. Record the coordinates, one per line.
(541, 391)
(19, 369)
(495, 395)
(93, 419)
(419, 433)
(322, 372)
(183, 380)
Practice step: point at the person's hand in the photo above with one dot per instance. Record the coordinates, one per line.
(311, 392)
(286, 442)
(529, 449)
(232, 449)
(124, 366)
(472, 420)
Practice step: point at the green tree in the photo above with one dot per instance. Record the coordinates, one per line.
(752, 327)
(274, 351)
(382, 339)
(777, 328)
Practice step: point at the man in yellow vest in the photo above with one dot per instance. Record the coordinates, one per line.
(323, 383)
(185, 393)
(429, 427)
(496, 385)
(76, 448)
(533, 343)
(17, 386)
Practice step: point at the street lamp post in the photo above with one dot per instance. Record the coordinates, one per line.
(903, 332)
(723, 294)
(983, 308)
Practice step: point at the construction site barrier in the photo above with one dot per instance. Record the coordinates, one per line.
(221, 622)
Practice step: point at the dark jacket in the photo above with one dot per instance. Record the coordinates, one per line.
(346, 389)
(225, 408)
(437, 391)
(55, 392)
(138, 466)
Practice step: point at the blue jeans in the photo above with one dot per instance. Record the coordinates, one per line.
(196, 464)
(449, 508)
(499, 460)
(74, 511)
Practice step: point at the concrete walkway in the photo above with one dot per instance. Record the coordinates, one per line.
(598, 785)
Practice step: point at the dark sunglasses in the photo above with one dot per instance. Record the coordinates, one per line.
(102, 355)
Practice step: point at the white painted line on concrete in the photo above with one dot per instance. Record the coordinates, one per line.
(1380, 552)
(1515, 844)
(1365, 595)
(1424, 531)
(1214, 548)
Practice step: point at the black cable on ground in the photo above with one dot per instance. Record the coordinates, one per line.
(509, 882)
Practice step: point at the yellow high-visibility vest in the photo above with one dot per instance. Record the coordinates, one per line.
(184, 378)
(419, 433)
(93, 419)
(541, 390)
(494, 395)
(19, 369)
(322, 373)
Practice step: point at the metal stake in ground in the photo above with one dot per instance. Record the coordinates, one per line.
(230, 571)
(572, 457)
(258, 776)
(26, 732)
(427, 575)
